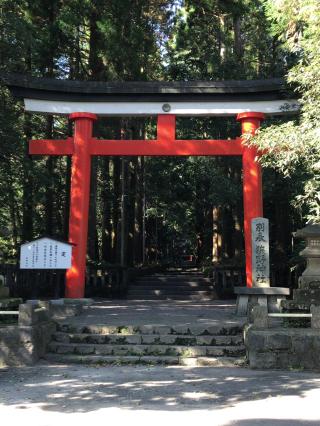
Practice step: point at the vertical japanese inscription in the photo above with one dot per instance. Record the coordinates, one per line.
(260, 252)
(45, 253)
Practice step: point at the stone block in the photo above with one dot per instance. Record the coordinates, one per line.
(283, 348)
(64, 349)
(208, 340)
(27, 315)
(4, 292)
(9, 335)
(260, 317)
(307, 296)
(31, 315)
(198, 330)
(242, 304)
(17, 355)
(212, 330)
(265, 360)
(299, 344)
(278, 341)
(316, 344)
(61, 337)
(315, 319)
(264, 296)
(84, 350)
(24, 345)
(255, 340)
(161, 329)
(274, 303)
(285, 360)
(43, 335)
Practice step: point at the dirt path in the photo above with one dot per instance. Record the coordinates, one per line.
(59, 395)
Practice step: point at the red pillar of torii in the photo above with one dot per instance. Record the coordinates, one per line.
(252, 184)
(83, 145)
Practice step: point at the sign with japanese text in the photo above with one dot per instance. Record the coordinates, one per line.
(45, 253)
(260, 252)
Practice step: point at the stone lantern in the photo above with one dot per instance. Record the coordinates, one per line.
(308, 292)
(311, 233)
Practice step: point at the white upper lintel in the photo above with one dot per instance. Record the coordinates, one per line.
(276, 107)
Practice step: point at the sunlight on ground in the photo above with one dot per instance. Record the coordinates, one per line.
(270, 411)
(152, 395)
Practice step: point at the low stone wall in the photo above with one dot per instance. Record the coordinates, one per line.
(26, 343)
(281, 347)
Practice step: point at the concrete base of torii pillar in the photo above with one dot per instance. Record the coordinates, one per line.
(271, 297)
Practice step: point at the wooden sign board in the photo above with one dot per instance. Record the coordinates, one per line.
(260, 252)
(45, 253)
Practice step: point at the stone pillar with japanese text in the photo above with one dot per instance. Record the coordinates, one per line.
(260, 252)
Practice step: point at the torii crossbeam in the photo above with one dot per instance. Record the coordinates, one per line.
(83, 145)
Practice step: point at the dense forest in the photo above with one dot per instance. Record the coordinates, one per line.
(147, 210)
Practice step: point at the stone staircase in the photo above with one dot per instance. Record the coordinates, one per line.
(218, 345)
(180, 285)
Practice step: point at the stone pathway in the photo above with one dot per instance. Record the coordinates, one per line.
(131, 312)
(50, 395)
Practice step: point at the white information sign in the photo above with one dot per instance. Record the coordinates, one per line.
(260, 252)
(45, 253)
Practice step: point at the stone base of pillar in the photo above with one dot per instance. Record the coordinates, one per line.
(270, 297)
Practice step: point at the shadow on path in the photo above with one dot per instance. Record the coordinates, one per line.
(70, 389)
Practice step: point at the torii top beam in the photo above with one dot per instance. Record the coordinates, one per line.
(192, 98)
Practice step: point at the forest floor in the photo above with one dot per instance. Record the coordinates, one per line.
(50, 395)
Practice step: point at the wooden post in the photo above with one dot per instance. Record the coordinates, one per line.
(79, 203)
(252, 185)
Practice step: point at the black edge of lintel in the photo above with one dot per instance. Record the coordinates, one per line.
(23, 84)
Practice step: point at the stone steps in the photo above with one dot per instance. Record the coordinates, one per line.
(174, 278)
(174, 329)
(147, 339)
(216, 345)
(147, 360)
(179, 297)
(168, 292)
(174, 286)
(158, 290)
(142, 350)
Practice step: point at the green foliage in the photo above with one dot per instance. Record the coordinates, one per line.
(295, 145)
(157, 40)
(236, 43)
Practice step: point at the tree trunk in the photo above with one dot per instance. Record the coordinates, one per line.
(93, 246)
(131, 201)
(95, 67)
(27, 197)
(106, 255)
(124, 213)
(50, 187)
(222, 44)
(139, 205)
(238, 44)
(116, 209)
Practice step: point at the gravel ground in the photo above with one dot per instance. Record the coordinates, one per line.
(61, 395)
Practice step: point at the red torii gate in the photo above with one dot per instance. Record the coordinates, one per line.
(83, 145)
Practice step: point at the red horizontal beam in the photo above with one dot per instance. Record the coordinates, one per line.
(51, 147)
(140, 147)
(163, 148)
